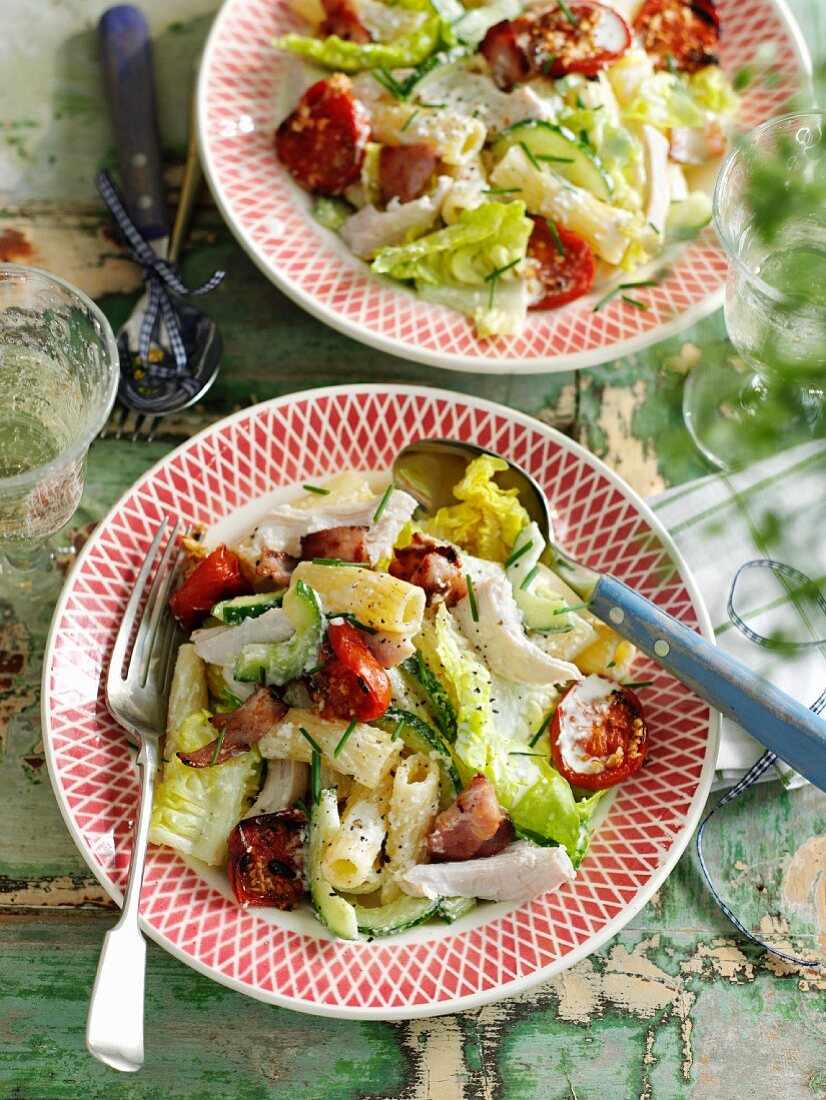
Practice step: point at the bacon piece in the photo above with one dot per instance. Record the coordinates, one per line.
(241, 728)
(343, 20)
(340, 543)
(434, 566)
(474, 826)
(405, 171)
(275, 565)
(506, 57)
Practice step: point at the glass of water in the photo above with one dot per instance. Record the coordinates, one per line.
(58, 379)
(764, 391)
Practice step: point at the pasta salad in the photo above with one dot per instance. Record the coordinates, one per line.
(394, 717)
(501, 157)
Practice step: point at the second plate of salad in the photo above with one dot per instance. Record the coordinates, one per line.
(493, 186)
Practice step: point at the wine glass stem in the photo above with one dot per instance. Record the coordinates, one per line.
(26, 560)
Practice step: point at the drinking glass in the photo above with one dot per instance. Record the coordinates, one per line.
(58, 379)
(764, 391)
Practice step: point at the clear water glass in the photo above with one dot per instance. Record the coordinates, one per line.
(58, 380)
(765, 392)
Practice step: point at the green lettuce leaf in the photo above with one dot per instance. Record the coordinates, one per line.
(537, 798)
(665, 101)
(483, 241)
(195, 809)
(711, 90)
(351, 57)
(487, 520)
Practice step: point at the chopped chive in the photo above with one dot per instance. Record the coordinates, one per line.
(493, 277)
(639, 684)
(529, 577)
(344, 736)
(585, 139)
(573, 607)
(517, 554)
(218, 745)
(388, 82)
(338, 561)
(669, 61)
(500, 190)
(388, 492)
(547, 158)
(350, 618)
(610, 664)
(315, 777)
(316, 489)
(552, 629)
(566, 11)
(560, 247)
(546, 68)
(530, 156)
(542, 728)
(580, 102)
(471, 595)
(318, 668)
(654, 227)
(634, 302)
(539, 755)
(742, 78)
(409, 120)
(313, 743)
(399, 727)
(434, 106)
(622, 286)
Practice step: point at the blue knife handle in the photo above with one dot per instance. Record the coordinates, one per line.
(130, 84)
(773, 718)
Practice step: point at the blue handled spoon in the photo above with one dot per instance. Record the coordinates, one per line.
(429, 468)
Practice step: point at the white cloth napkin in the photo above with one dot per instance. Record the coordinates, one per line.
(771, 510)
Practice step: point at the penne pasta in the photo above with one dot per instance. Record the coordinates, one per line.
(414, 803)
(455, 138)
(368, 753)
(350, 857)
(377, 600)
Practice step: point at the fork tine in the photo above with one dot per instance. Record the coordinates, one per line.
(129, 615)
(156, 607)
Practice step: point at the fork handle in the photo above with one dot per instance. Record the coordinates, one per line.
(130, 86)
(114, 1027)
(771, 716)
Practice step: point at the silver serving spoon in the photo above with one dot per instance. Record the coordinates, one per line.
(429, 468)
(130, 84)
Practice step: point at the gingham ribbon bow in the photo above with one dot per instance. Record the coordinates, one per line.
(160, 277)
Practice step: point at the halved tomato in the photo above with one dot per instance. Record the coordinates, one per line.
(218, 577)
(598, 733)
(679, 34)
(578, 37)
(354, 684)
(565, 264)
(265, 859)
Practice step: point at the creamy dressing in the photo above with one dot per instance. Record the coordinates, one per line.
(576, 724)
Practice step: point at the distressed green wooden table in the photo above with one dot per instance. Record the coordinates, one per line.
(677, 1005)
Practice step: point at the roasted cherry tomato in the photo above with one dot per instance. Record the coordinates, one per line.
(565, 264)
(583, 37)
(353, 684)
(265, 859)
(598, 733)
(322, 142)
(217, 577)
(679, 34)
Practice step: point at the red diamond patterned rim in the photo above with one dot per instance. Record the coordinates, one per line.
(288, 959)
(243, 93)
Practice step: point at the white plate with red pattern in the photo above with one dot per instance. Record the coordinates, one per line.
(289, 959)
(244, 91)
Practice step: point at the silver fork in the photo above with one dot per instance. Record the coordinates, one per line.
(137, 699)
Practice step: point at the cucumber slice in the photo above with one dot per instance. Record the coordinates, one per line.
(686, 217)
(397, 916)
(420, 737)
(561, 150)
(332, 910)
(278, 662)
(443, 711)
(451, 909)
(246, 607)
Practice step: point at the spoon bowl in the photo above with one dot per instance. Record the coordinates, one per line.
(428, 468)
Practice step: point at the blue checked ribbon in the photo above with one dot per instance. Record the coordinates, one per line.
(768, 758)
(160, 277)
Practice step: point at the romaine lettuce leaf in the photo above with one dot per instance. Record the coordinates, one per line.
(665, 101)
(501, 313)
(195, 809)
(487, 519)
(536, 797)
(711, 90)
(484, 240)
(351, 57)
